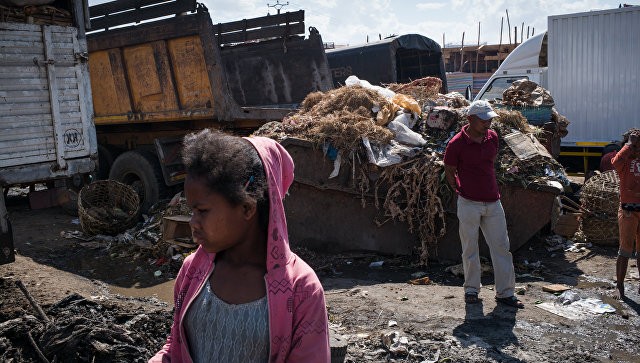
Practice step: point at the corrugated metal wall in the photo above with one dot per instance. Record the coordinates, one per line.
(594, 72)
(33, 57)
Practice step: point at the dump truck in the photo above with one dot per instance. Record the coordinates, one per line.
(46, 130)
(588, 61)
(156, 81)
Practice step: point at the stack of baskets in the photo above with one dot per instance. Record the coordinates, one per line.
(600, 195)
(107, 207)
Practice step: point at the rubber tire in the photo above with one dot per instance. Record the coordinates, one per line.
(141, 170)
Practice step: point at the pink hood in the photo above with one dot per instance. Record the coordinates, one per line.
(298, 325)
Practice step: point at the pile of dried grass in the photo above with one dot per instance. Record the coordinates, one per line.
(420, 89)
(341, 116)
(411, 196)
(508, 120)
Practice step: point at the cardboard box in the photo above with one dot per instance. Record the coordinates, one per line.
(176, 227)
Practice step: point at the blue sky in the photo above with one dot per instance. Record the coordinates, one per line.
(351, 21)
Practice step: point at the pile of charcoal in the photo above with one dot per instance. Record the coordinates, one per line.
(77, 329)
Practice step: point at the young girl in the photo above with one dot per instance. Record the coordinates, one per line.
(243, 296)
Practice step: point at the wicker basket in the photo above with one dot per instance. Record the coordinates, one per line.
(600, 195)
(107, 207)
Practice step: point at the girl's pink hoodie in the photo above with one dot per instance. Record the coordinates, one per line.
(298, 325)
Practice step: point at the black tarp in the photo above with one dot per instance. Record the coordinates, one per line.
(398, 59)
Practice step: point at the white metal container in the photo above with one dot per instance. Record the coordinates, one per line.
(594, 73)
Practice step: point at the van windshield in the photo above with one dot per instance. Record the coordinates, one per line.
(497, 87)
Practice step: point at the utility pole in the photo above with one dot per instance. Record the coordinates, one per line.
(276, 6)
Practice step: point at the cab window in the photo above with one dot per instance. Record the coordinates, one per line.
(497, 87)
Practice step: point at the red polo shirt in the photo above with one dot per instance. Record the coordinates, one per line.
(476, 174)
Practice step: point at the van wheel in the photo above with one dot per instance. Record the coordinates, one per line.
(142, 172)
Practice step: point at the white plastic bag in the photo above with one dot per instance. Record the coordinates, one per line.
(405, 135)
(355, 81)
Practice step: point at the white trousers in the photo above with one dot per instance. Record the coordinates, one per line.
(489, 217)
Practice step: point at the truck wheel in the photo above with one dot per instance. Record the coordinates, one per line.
(142, 172)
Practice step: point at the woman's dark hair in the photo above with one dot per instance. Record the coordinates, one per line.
(231, 167)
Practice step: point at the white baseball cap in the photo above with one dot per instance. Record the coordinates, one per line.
(482, 109)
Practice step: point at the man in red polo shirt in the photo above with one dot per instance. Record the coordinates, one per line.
(627, 165)
(469, 169)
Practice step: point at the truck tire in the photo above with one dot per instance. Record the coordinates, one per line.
(141, 170)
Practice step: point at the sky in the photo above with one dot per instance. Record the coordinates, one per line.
(350, 22)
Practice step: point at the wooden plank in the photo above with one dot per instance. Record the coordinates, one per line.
(123, 5)
(85, 122)
(271, 32)
(555, 288)
(8, 123)
(26, 158)
(32, 71)
(55, 108)
(264, 21)
(177, 27)
(20, 133)
(138, 15)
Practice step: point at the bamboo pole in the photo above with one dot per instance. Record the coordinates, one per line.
(462, 53)
(508, 25)
(500, 44)
(515, 35)
(478, 48)
(522, 32)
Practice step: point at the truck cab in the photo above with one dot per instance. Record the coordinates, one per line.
(527, 61)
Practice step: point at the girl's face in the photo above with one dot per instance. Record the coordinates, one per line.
(216, 224)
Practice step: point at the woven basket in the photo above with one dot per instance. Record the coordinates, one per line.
(107, 207)
(600, 195)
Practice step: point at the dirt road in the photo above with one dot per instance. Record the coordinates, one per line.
(382, 317)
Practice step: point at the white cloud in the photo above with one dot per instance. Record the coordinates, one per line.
(431, 6)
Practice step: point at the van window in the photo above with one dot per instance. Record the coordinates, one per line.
(497, 87)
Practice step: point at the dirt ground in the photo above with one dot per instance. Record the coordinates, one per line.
(123, 310)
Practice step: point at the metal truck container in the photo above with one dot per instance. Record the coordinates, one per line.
(46, 128)
(594, 73)
(154, 82)
(398, 59)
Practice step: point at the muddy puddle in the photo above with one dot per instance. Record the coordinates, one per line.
(163, 291)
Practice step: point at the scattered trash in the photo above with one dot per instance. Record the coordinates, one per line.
(395, 343)
(520, 290)
(158, 273)
(421, 281)
(392, 323)
(376, 264)
(555, 288)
